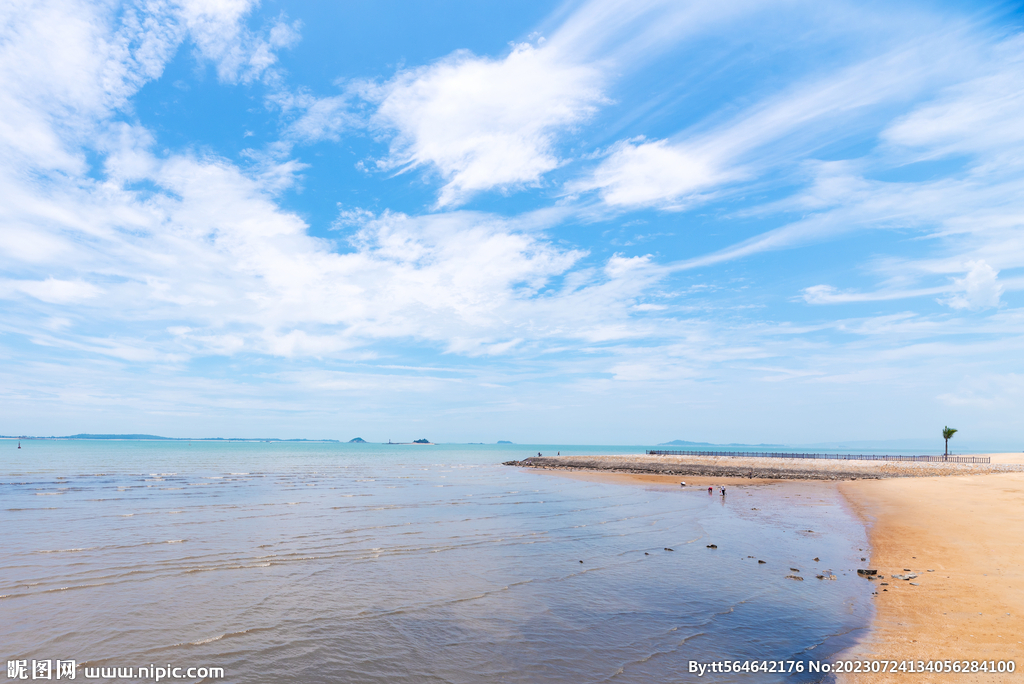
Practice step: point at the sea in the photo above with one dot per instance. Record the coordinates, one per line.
(334, 562)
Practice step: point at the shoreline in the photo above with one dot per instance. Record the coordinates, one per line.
(965, 525)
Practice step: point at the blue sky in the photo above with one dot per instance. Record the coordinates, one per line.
(583, 222)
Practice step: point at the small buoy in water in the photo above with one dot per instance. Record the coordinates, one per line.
(682, 484)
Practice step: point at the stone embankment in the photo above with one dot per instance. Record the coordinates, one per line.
(761, 468)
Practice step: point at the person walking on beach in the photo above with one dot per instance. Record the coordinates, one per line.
(723, 491)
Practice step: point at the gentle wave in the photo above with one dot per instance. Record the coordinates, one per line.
(392, 570)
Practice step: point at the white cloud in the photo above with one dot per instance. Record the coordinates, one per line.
(638, 173)
(218, 29)
(776, 132)
(482, 123)
(485, 123)
(979, 288)
(51, 290)
(210, 265)
(972, 214)
(67, 66)
(322, 119)
(986, 392)
(203, 260)
(826, 294)
(980, 115)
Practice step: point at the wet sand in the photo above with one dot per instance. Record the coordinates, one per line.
(967, 529)
(613, 477)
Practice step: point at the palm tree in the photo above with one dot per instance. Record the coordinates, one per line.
(947, 434)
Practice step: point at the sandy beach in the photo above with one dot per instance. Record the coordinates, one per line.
(969, 532)
(959, 529)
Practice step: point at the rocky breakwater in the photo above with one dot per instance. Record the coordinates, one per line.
(757, 468)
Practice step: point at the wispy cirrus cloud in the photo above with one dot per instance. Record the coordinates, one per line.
(51, 290)
(787, 127)
(979, 288)
(978, 116)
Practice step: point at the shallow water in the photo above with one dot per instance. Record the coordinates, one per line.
(368, 563)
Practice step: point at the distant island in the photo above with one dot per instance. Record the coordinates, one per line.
(113, 437)
(421, 441)
(682, 442)
(151, 438)
(357, 440)
(504, 441)
(415, 441)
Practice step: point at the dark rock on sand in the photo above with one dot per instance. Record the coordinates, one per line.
(865, 573)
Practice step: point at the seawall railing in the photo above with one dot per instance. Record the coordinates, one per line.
(837, 457)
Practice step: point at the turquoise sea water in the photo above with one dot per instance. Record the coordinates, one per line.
(313, 562)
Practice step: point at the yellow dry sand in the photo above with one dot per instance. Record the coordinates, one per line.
(970, 531)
